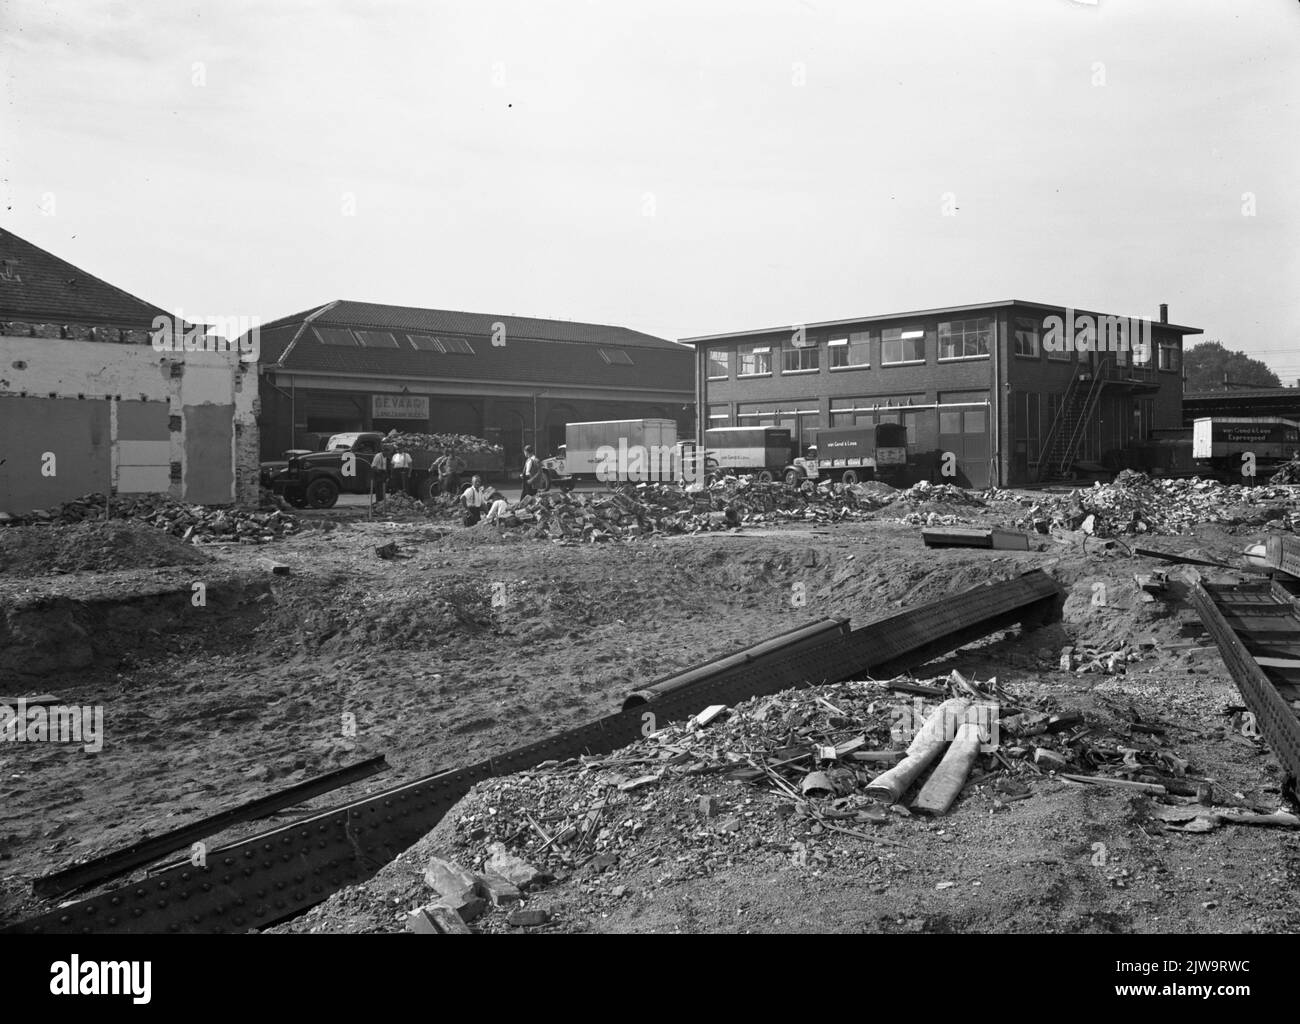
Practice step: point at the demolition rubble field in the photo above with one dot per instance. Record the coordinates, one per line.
(446, 645)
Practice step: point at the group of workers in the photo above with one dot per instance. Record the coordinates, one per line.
(391, 467)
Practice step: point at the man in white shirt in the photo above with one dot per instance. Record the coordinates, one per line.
(475, 499)
(401, 465)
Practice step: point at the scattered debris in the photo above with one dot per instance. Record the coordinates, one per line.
(197, 524)
(1136, 503)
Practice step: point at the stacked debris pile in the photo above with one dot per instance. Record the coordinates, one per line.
(462, 444)
(196, 524)
(784, 777)
(1287, 474)
(91, 547)
(930, 505)
(401, 504)
(1135, 504)
(647, 509)
(619, 515)
(1109, 662)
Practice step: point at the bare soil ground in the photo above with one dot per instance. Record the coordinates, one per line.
(469, 644)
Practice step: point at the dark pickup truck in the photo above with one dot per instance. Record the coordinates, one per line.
(316, 479)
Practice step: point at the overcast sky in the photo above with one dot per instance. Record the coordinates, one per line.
(677, 167)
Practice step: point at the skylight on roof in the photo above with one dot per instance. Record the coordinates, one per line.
(459, 346)
(615, 357)
(339, 336)
(376, 339)
(425, 343)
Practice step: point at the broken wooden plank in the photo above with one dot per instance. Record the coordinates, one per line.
(1103, 780)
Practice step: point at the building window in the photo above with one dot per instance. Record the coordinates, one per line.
(376, 339)
(457, 346)
(615, 357)
(1026, 337)
(753, 360)
(719, 363)
(719, 416)
(846, 353)
(1060, 350)
(902, 345)
(1170, 351)
(800, 358)
(339, 336)
(425, 343)
(965, 339)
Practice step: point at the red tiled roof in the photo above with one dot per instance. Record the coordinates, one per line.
(535, 350)
(38, 287)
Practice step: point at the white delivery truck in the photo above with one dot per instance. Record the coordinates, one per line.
(620, 451)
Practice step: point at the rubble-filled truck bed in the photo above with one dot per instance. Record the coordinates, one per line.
(344, 467)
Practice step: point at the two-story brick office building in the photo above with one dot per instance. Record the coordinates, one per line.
(998, 384)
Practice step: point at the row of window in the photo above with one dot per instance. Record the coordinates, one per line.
(899, 346)
(1026, 342)
(958, 339)
(342, 337)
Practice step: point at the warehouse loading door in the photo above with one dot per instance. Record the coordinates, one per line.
(964, 432)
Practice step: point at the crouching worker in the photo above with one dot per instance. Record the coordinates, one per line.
(475, 499)
(498, 507)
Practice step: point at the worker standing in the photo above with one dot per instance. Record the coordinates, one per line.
(532, 472)
(475, 499)
(378, 474)
(402, 471)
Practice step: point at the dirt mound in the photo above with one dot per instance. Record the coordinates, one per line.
(91, 547)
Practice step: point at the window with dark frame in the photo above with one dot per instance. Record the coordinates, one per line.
(850, 351)
(902, 345)
(1026, 337)
(615, 357)
(800, 358)
(965, 339)
(753, 360)
(339, 337)
(719, 363)
(425, 343)
(456, 346)
(376, 339)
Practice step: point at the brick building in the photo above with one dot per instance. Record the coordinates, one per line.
(88, 404)
(514, 380)
(993, 383)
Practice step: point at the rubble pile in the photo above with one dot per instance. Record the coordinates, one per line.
(620, 515)
(1287, 474)
(196, 524)
(460, 443)
(399, 503)
(783, 776)
(1135, 503)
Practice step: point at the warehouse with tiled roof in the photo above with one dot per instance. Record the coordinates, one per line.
(514, 380)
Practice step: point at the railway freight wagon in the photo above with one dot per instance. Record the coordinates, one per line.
(1223, 445)
(851, 454)
(763, 451)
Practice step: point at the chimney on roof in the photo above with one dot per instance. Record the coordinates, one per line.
(1164, 312)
